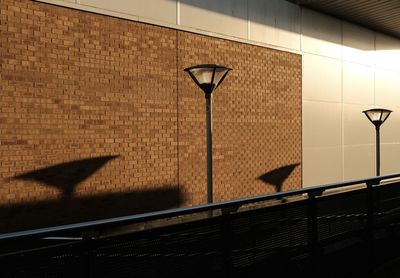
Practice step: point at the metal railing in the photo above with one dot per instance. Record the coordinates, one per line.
(348, 228)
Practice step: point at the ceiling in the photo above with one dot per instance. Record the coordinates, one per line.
(378, 15)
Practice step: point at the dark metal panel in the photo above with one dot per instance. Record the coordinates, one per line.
(379, 15)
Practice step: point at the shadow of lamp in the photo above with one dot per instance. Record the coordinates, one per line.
(208, 77)
(66, 176)
(278, 176)
(377, 116)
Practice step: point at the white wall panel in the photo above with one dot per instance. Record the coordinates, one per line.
(322, 124)
(387, 52)
(228, 17)
(390, 131)
(322, 165)
(322, 78)
(387, 89)
(275, 22)
(390, 159)
(160, 10)
(358, 84)
(359, 162)
(357, 129)
(321, 34)
(358, 44)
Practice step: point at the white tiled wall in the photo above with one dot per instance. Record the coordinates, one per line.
(321, 34)
(387, 88)
(228, 17)
(322, 78)
(387, 52)
(322, 165)
(322, 125)
(358, 44)
(358, 83)
(359, 161)
(274, 22)
(364, 72)
(357, 130)
(390, 131)
(346, 69)
(160, 10)
(389, 158)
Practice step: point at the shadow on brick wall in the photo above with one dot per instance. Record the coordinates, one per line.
(78, 209)
(66, 176)
(278, 176)
(73, 209)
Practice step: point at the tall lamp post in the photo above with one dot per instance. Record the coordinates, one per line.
(377, 116)
(208, 77)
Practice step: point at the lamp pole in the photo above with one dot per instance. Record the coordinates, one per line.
(209, 148)
(378, 150)
(377, 117)
(208, 77)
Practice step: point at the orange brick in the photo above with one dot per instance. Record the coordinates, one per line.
(78, 85)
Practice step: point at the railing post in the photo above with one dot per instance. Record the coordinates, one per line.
(87, 254)
(370, 225)
(312, 223)
(227, 242)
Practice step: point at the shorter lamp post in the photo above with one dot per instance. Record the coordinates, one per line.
(208, 77)
(377, 116)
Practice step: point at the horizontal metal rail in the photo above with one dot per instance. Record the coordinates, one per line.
(302, 231)
(145, 217)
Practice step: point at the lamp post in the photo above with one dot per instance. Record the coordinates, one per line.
(377, 116)
(208, 77)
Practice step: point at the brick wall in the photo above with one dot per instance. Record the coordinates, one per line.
(98, 118)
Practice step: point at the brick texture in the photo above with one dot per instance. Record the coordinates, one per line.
(98, 118)
(256, 119)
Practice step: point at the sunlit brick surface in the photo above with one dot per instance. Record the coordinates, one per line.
(256, 118)
(76, 85)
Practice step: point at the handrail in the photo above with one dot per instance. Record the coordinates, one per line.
(132, 219)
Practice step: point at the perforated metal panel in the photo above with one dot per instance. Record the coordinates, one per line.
(342, 215)
(263, 235)
(341, 232)
(191, 249)
(57, 262)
